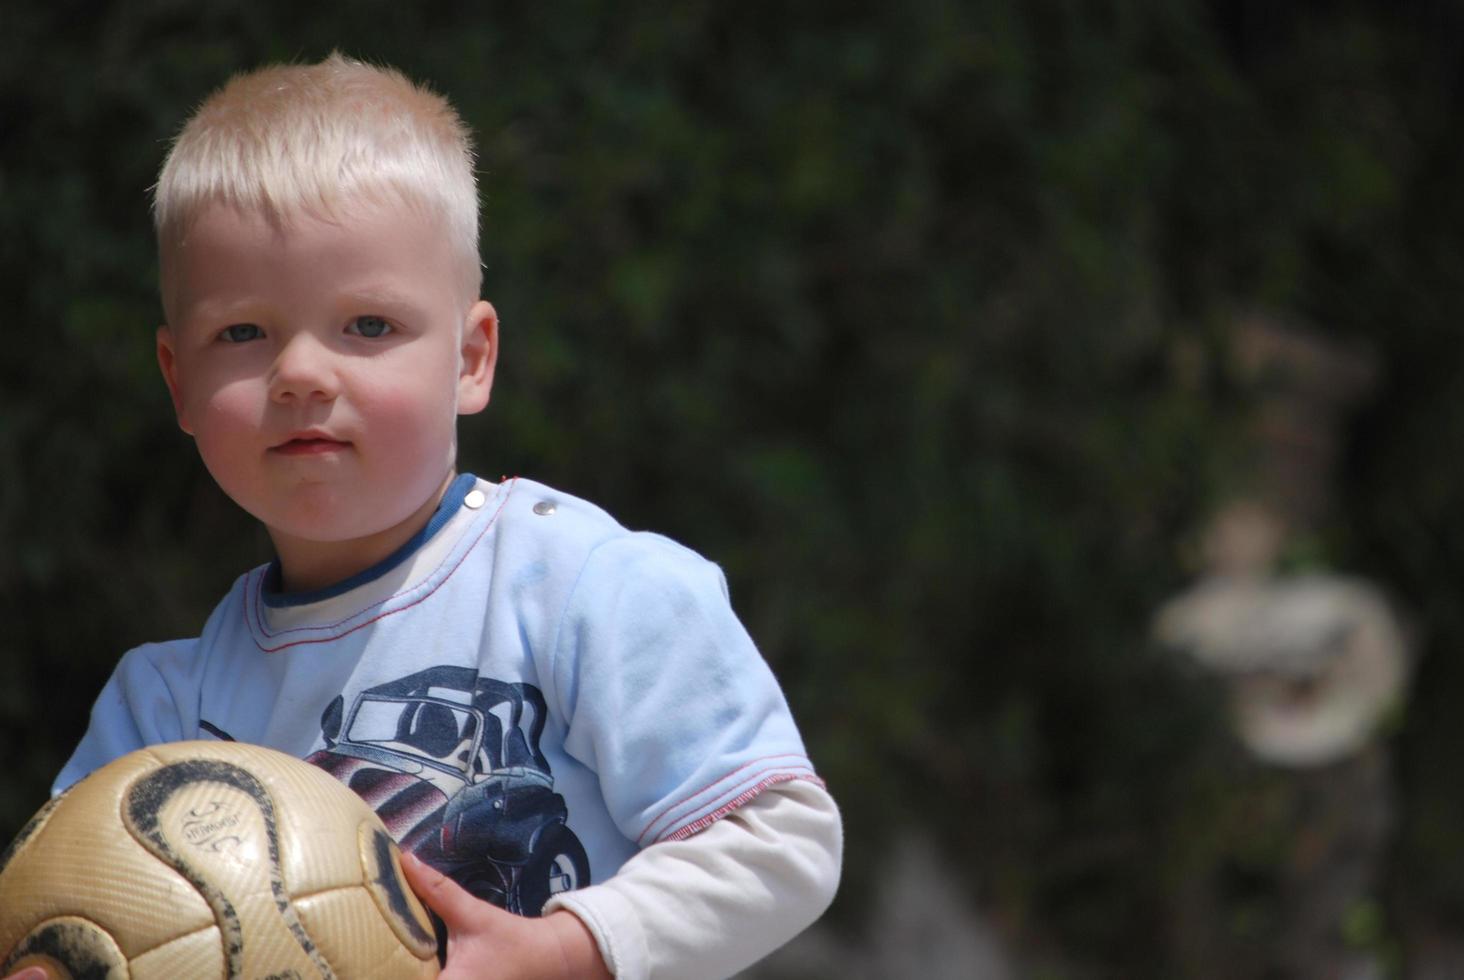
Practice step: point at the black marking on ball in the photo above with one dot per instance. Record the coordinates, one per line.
(144, 802)
(87, 952)
(392, 884)
(29, 830)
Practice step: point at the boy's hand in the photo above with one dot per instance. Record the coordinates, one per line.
(485, 941)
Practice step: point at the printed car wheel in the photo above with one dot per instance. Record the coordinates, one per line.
(558, 864)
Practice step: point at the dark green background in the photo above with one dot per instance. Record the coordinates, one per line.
(878, 305)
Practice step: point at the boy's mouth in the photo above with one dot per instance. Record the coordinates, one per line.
(309, 444)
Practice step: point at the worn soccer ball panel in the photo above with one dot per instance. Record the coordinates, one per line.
(205, 859)
(81, 860)
(340, 922)
(69, 946)
(200, 954)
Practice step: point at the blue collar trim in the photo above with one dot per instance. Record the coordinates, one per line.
(452, 502)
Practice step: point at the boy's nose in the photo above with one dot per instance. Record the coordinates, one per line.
(303, 371)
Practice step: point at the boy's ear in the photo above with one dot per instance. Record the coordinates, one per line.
(479, 357)
(168, 362)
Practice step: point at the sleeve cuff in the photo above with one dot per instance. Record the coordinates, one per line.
(615, 926)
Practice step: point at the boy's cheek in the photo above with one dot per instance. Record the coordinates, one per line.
(410, 425)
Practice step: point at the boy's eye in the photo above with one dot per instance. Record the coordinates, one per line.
(239, 333)
(369, 326)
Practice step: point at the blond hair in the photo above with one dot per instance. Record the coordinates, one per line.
(318, 140)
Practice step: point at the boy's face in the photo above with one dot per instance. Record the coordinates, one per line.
(321, 369)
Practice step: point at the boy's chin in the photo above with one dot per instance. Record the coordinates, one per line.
(338, 530)
(326, 534)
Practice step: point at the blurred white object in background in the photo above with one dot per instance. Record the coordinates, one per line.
(1313, 663)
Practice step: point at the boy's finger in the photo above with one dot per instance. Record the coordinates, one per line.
(29, 973)
(439, 892)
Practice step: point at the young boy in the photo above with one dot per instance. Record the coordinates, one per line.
(553, 715)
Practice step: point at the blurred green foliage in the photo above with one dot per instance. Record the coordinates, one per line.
(911, 316)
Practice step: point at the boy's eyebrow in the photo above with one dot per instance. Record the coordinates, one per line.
(386, 297)
(379, 293)
(210, 309)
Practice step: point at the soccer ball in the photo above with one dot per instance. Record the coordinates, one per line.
(210, 859)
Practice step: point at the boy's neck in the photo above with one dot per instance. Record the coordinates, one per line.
(309, 566)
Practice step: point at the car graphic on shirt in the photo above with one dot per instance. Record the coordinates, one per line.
(451, 763)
